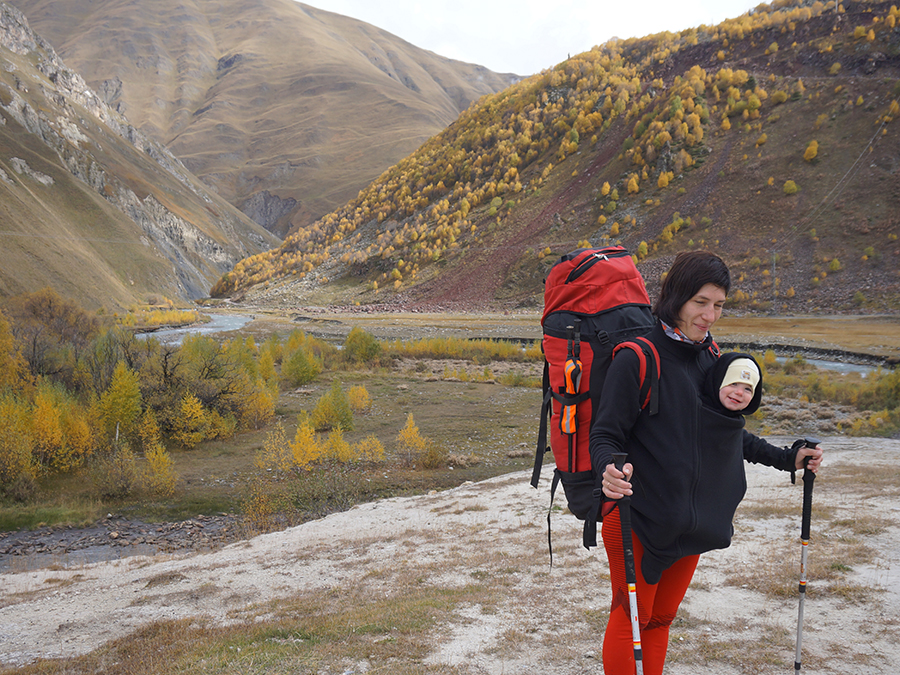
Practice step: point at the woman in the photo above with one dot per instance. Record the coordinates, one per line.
(685, 472)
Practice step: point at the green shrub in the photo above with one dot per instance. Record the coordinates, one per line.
(790, 187)
(301, 367)
(333, 410)
(361, 346)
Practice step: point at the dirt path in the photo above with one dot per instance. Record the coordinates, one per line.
(494, 531)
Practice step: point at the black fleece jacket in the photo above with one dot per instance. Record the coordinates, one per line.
(688, 459)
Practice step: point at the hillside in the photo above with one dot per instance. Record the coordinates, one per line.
(285, 110)
(770, 138)
(89, 205)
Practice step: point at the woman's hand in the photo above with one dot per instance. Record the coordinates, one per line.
(616, 483)
(815, 458)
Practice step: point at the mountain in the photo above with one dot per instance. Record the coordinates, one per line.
(771, 139)
(89, 205)
(287, 111)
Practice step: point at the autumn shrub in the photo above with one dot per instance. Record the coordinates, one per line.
(476, 350)
(812, 150)
(434, 455)
(305, 448)
(370, 449)
(301, 367)
(361, 346)
(16, 460)
(332, 410)
(192, 424)
(410, 443)
(790, 187)
(359, 399)
(337, 449)
(160, 478)
(114, 473)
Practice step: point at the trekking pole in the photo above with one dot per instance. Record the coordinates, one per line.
(808, 478)
(624, 505)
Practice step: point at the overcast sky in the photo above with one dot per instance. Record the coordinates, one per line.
(526, 36)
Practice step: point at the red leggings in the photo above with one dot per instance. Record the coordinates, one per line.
(657, 605)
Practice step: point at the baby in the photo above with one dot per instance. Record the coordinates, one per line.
(734, 385)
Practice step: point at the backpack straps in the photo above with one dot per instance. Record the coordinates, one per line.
(542, 446)
(648, 358)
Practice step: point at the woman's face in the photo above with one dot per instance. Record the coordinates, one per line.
(697, 316)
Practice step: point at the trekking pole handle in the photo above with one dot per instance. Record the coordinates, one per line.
(808, 478)
(619, 459)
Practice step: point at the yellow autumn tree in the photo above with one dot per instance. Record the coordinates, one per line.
(370, 449)
(16, 460)
(410, 443)
(359, 399)
(192, 423)
(120, 404)
(633, 186)
(12, 365)
(305, 449)
(337, 449)
(160, 475)
(811, 151)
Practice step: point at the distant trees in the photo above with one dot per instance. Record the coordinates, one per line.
(430, 204)
(90, 390)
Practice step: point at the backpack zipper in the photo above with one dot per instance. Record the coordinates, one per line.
(591, 260)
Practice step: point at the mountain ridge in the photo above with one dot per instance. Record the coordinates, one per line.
(770, 139)
(284, 109)
(90, 205)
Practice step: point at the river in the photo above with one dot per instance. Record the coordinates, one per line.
(218, 323)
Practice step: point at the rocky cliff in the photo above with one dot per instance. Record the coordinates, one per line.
(63, 148)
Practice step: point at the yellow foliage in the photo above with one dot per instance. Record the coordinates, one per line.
(12, 364)
(410, 443)
(120, 404)
(337, 449)
(305, 449)
(370, 449)
(161, 476)
(633, 187)
(359, 399)
(811, 151)
(192, 423)
(16, 461)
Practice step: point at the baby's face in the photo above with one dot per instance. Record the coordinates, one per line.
(736, 396)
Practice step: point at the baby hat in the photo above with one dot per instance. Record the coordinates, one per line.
(743, 371)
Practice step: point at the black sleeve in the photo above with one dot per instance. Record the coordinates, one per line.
(618, 410)
(759, 451)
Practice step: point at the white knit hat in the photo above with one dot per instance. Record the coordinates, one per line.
(743, 371)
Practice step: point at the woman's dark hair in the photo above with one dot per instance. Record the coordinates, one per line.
(690, 272)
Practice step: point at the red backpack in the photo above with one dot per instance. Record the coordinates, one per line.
(595, 303)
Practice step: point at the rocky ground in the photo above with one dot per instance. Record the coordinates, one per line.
(739, 617)
(112, 538)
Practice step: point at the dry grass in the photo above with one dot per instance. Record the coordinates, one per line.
(751, 648)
